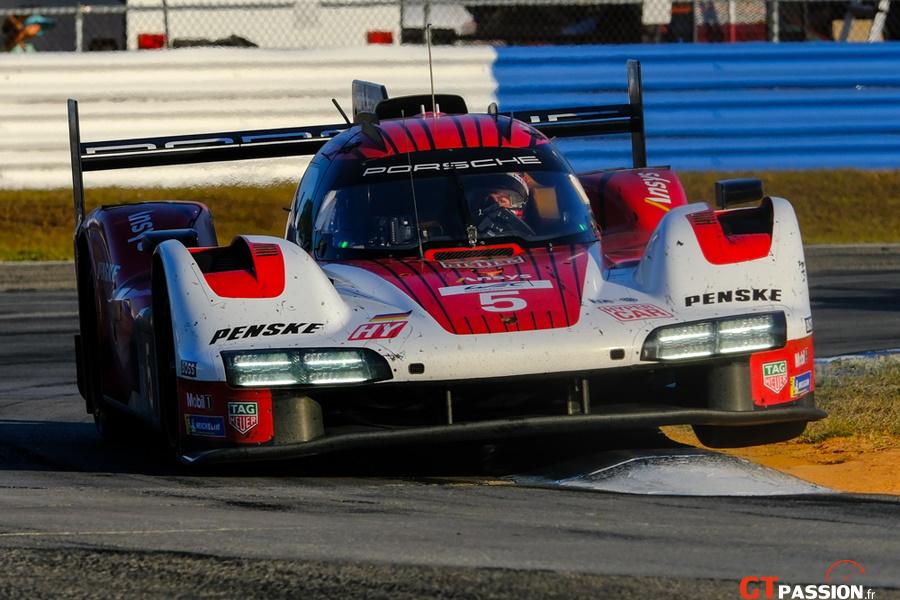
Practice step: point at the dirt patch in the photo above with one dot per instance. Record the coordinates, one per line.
(860, 464)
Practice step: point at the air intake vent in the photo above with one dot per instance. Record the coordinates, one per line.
(473, 253)
(265, 249)
(706, 217)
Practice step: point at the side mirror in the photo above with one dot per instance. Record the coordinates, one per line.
(736, 191)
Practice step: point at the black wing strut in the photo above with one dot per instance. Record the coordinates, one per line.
(598, 120)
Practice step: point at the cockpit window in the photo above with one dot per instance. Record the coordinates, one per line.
(527, 196)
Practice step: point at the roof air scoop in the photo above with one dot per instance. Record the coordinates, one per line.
(366, 96)
(396, 108)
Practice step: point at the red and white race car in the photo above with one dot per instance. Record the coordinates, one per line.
(443, 276)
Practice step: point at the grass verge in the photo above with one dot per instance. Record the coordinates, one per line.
(38, 224)
(832, 206)
(862, 398)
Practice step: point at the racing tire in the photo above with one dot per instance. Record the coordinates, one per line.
(715, 436)
(113, 426)
(166, 379)
(89, 338)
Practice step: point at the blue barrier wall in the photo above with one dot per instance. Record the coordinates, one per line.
(746, 106)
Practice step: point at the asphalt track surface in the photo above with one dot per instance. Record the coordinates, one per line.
(78, 519)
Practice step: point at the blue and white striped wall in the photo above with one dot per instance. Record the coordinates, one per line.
(750, 106)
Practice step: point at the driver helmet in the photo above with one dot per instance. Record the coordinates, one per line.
(509, 191)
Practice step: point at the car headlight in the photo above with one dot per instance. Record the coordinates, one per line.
(307, 366)
(728, 335)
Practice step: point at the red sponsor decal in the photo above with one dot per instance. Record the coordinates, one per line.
(243, 416)
(635, 312)
(775, 375)
(772, 371)
(377, 331)
(247, 411)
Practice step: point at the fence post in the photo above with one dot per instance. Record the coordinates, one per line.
(695, 14)
(165, 8)
(773, 21)
(79, 28)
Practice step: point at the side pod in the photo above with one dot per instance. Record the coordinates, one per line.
(693, 273)
(209, 313)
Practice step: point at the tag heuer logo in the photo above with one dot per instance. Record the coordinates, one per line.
(243, 416)
(775, 375)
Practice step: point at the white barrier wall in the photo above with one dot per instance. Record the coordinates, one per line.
(137, 94)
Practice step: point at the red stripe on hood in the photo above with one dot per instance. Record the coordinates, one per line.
(543, 291)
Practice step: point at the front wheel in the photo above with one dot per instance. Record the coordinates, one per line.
(164, 344)
(717, 436)
(113, 426)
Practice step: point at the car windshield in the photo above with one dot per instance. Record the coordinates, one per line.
(457, 204)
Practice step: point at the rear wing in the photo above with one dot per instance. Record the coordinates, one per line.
(367, 98)
(186, 149)
(598, 120)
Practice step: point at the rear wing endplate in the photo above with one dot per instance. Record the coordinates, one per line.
(598, 120)
(186, 149)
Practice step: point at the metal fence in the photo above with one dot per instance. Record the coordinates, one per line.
(136, 24)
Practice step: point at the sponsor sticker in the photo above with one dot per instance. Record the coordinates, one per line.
(738, 295)
(486, 276)
(481, 263)
(800, 384)
(775, 375)
(459, 165)
(381, 327)
(188, 368)
(205, 426)
(201, 401)
(107, 271)
(635, 312)
(264, 329)
(141, 223)
(243, 416)
(807, 321)
(801, 358)
(478, 288)
(657, 189)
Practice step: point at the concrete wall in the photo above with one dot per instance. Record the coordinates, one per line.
(137, 94)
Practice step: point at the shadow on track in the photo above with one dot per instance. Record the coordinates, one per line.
(67, 446)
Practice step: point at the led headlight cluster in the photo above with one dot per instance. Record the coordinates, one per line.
(308, 366)
(729, 335)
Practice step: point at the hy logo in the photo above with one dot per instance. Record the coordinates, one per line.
(775, 375)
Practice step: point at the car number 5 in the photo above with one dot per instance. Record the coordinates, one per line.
(502, 301)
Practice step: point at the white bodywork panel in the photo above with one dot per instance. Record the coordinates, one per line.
(673, 268)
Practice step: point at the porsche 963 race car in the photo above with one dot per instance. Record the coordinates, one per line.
(444, 276)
